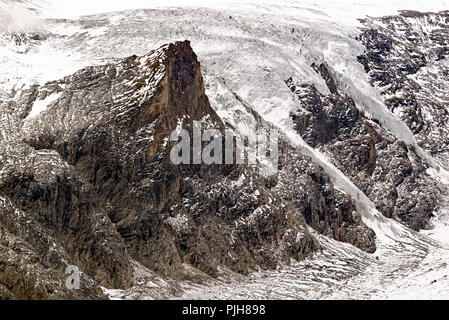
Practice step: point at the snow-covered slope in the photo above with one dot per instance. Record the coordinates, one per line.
(247, 50)
(345, 11)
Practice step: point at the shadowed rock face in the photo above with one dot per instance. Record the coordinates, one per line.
(88, 181)
(407, 58)
(387, 170)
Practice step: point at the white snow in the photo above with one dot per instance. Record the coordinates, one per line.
(17, 19)
(247, 49)
(345, 11)
(41, 105)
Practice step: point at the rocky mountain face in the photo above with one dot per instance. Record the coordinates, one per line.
(86, 180)
(407, 58)
(387, 170)
(86, 177)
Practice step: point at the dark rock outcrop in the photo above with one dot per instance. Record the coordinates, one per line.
(88, 181)
(406, 58)
(387, 170)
